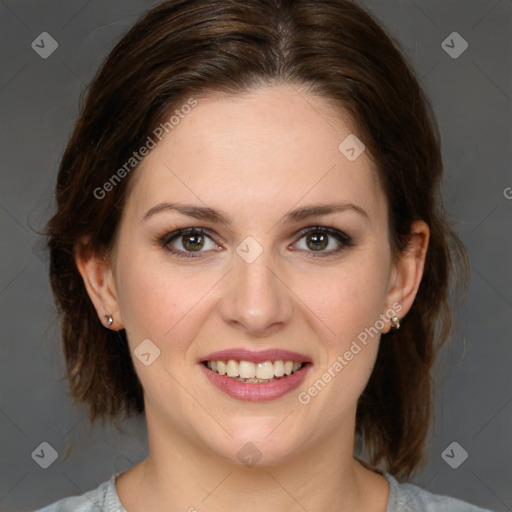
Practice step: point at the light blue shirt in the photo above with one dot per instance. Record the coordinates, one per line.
(403, 497)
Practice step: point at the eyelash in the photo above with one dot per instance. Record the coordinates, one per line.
(341, 237)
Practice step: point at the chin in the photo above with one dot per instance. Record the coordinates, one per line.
(259, 443)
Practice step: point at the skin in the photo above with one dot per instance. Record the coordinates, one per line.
(255, 157)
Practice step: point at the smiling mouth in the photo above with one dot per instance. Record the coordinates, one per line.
(255, 373)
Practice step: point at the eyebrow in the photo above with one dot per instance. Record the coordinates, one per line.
(219, 217)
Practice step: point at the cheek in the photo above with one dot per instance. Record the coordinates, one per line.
(166, 306)
(348, 299)
(156, 299)
(350, 303)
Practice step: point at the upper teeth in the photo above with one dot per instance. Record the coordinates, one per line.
(250, 370)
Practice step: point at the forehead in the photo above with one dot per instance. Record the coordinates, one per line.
(272, 147)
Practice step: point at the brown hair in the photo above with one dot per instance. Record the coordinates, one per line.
(332, 48)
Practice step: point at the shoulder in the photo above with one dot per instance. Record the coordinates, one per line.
(104, 498)
(405, 497)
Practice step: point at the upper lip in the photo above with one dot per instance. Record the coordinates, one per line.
(271, 354)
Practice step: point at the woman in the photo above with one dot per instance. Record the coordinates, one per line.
(250, 249)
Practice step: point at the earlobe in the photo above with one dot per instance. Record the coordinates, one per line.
(98, 279)
(408, 271)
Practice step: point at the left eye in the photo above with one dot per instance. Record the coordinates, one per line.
(318, 239)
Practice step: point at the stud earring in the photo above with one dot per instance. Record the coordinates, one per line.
(110, 320)
(395, 323)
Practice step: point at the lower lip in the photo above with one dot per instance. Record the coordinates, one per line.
(256, 392)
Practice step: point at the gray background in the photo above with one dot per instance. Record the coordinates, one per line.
(39, 102)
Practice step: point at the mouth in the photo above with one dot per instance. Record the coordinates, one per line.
(255, 376)
(254, 373)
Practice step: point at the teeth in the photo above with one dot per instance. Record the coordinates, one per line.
(232, 368)
(264, 370)
(278, 368)
(221, 367)
(248, 371)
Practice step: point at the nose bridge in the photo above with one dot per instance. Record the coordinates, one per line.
(256, 299)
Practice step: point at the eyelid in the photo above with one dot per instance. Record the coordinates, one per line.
(321, 228)
(175, 233)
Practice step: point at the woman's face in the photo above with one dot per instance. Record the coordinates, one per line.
(292, 263)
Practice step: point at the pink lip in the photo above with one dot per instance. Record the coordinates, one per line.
(257, 357)
(255, 392)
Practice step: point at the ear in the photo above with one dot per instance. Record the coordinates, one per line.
(408, 272)
(96, 271)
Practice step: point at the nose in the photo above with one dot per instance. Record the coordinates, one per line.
(256, 299)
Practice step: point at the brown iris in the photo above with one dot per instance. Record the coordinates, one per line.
(319, 241)
(193, 242)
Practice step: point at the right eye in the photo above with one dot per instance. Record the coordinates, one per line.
(187, 241)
